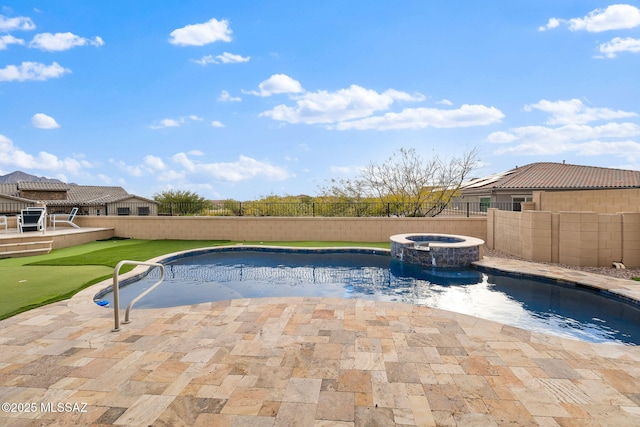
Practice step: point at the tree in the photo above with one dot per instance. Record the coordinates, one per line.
(178, 202)
(413, 186)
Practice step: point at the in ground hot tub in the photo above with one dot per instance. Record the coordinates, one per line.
(437, 250)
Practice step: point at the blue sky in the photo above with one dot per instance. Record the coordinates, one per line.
(241, 99)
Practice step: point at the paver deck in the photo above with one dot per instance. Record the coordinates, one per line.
(307, 362)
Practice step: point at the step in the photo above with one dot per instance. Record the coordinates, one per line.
(25, 252)
(17, 249)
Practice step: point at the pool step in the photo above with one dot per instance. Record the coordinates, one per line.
(27, 246)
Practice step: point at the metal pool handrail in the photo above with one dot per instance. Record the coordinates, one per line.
(116, 291)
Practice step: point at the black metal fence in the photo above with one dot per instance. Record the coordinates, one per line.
(321, 209)
(279, 209)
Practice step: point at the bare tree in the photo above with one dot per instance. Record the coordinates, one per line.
(416, 187)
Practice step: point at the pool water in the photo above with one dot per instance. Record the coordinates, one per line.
(530, 304)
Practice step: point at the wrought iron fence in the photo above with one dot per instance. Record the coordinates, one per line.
(281, 209)
(310, 209)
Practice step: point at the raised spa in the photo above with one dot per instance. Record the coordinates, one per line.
(436, 250)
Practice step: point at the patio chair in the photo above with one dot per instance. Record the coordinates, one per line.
(3, 222)
(31, 220)
(64, 219)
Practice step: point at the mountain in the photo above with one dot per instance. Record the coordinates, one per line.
(19, 176)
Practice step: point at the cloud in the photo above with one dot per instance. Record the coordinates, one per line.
(243, 169)
(332, 107)
(355, 108)
(170, 123)
(618, 45)
(207, 59)
(278, 83)
(32, 71)
(418, 118)
(9, 39)
(154, 163)
(19, 23)
(225, 58)
(574, 111)
(225, 97)
(201, 34)
(15, 158)
(217, 124)
(42, 121)
(62, 41)
(230, 58)
(573, 133)
(614, 17)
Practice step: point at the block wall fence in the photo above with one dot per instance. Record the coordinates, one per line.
(586, 228)
(573, 238)
(282, 228)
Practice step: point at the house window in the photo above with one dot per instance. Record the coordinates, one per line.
(143, 211)
(124, 211)
(485, 203)
(517, 202)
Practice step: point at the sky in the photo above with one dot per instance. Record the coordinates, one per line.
(243, 99)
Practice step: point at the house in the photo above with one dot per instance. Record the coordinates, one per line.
(508, 190)
(60, 197)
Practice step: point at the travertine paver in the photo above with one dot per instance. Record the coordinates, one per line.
(307, 362)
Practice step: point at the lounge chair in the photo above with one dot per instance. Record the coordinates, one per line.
(32, 219)
(64, 219)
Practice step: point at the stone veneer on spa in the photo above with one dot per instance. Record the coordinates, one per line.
(436, 250)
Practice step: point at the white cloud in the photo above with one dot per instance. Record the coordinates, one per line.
(9, 39)
(445, 102)
(217, 124)
(225, 97)
(225, 58)
(170, 123)
(278, 83)
(42, 121)
(15, 158)
(62, 41)
(573, 133)
(153, 162)
(564, 134)
(32, 71)
(324, 107)
(241, 170)
(418, 118)
(614, 17)
(207, 59)
(201, 34)
(618, 45)
(573, 111)
(552, 23)
(230, 58)
(19, 23)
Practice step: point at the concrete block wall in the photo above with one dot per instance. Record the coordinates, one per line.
(573, 238)
(631, 239)
(599, 201)
(281, 228)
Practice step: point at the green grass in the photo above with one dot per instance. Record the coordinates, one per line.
(32, 282)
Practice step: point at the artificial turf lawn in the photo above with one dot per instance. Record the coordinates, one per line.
(30, 282)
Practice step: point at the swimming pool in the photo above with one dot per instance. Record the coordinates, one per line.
(532, 304)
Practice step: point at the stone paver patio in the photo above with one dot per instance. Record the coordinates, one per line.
(308, 362)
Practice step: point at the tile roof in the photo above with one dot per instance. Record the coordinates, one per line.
(557, 176)
(42, 186)
(76, 194)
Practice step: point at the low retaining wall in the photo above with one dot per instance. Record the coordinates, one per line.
(282, 228)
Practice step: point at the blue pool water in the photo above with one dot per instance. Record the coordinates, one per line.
(530, 304)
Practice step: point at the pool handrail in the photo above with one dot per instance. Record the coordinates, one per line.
(116, 290)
